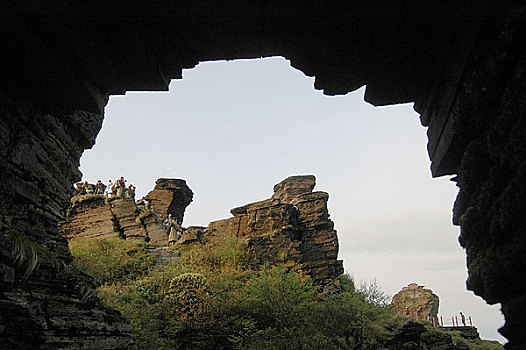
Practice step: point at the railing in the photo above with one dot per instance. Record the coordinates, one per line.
(454, 322)
(435, 320)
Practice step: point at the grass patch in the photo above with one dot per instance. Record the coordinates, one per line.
(112, 260)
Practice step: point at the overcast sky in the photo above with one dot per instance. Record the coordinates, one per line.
(234, 129)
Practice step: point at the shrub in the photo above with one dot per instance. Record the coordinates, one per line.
(212, 299)
(372, 293)
(29, 254)
(233, 254)
(278, 298)
(188, 296)
(111, 260)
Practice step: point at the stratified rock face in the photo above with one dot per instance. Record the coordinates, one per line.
(101, 218)
(192, 234)
(55, 307)
(125, 215)
(170, 196)
(416, 299)
(293, 225)
(293, 186)
(90, 219)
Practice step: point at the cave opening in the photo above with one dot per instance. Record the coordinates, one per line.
(234, 129)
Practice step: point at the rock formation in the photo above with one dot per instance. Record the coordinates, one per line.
(98, 217)
(417, 301)
(170, 196)
(293, 225)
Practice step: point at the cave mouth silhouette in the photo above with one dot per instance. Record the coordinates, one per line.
(461, 65)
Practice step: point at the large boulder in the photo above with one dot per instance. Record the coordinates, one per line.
(170, 196)
(417, 301)
(293, 225)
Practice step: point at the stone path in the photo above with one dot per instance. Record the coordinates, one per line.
(163, 255)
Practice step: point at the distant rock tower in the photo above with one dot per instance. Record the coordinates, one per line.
(417, 302)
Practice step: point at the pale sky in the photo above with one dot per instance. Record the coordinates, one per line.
(234, 129)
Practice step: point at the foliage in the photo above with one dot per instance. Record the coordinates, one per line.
(188, 296)
(372, 293)
(29, 254)
(143, 212)
(233, 254)
(278, 297)
(474, 344)
(212, 299)
(111, 260)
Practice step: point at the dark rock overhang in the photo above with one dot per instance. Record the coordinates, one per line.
(68, 56)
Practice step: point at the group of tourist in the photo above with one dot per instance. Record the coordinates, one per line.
(118, 189)
(115, 189)
(82, 188)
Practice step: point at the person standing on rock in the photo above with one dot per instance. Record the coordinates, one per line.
(77, 191)
(130, 193)
(463, 318)
(172, 231)
(109, 188)
(179, 231)
(167, 222)
(100, 187)
(90, 189)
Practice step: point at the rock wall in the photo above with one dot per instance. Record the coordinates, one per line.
(90, 219)
(415, 299)
(491, 177)
(293, 225)
(97, 217)
(52, 306)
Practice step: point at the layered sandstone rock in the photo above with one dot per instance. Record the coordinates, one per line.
(170, 196)
(90, 219)
(98, 217)
(417, 301)
(293, 225)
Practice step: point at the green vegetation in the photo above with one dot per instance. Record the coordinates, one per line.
(143, 212)
(212, 299)
(112, 260)
(29, 254)
(474, 344)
